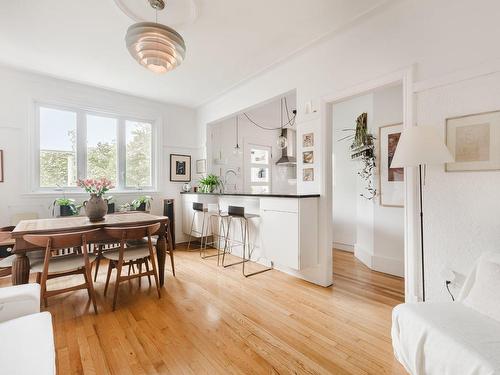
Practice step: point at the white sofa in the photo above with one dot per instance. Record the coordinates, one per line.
(26, 338)
(454, 338)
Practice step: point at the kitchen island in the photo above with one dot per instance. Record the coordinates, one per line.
(284, 232)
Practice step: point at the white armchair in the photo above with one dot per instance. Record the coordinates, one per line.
(26, 338)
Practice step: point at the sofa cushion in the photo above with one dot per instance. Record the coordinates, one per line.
(484, 295)
(27, 345)
(445, 338)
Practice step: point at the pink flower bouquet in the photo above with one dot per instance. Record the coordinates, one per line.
(98, 187)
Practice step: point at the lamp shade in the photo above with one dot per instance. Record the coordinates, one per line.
(419, 145)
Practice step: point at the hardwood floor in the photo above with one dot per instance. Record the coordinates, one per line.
(214, 321)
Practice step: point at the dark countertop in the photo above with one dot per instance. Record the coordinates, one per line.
(258, 195)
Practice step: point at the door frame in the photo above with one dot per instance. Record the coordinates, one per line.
(405, 77)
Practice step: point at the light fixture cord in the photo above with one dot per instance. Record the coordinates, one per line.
(237, 131)
(291, 121)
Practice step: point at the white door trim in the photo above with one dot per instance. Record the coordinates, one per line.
(412, 242)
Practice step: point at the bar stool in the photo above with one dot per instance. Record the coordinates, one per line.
(198, 209)
(217, 231)
(238, 213)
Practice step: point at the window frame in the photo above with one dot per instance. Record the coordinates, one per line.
(81, 147)
(249, 165)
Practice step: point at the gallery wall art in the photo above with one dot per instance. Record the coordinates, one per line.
(391, 180)
(474, 141)
(180, 168)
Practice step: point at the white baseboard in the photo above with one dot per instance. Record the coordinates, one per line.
(343, 246)
(379, 263)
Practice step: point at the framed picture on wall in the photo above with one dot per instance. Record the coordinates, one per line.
(474, 142)
(180, 168)
(391, 180)
(201, 166)
(308, 157)
(1, 165)
(308, 140)
(308, 174)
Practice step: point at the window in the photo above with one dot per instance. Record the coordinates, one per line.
(82, 144)
(259, 165)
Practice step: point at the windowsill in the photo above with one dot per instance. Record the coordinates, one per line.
(48, 193)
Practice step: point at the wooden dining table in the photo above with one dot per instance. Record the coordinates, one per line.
(21, 263)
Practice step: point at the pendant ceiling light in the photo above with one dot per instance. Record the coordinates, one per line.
(157, 47)
(282, 142)
(237, 149)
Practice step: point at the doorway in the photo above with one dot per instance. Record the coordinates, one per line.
(368, 214)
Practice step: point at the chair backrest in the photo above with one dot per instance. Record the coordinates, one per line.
(236, 211)
(198, 206)
(132, 233)
(62, 240)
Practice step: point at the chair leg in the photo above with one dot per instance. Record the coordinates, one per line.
(146, 263)
(38, 277)
(90, 287)
(108, 276)
(117, 283)
(98, 261)
(155, 271)
(140, 271)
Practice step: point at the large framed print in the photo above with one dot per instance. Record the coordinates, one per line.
(391, 180)
(180, 168)
(474, 142)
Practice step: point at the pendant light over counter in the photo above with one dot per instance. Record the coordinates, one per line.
(237, 149)
(157, 47)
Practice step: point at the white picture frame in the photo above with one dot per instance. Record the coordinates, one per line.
(391, 180)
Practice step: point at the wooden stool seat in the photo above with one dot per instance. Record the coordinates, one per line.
(65, 263)
(131, 253)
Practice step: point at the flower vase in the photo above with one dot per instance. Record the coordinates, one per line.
(95, 208)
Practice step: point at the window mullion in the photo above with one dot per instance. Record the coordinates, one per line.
(121, 154)
(81, 145)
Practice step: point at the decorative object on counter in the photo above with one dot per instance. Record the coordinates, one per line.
(67, 207)
(124, 207)
(201, 166)
(195, 189)
(209, 183)
(1, 166)
(96, 207)
(391, 180)
(180, 168)
(308, 174)
(308, 157)
(363, 149)
(308, 140)
(111, 204)
(420, 146)
(474, 141)
(142, 203)
(186, 187)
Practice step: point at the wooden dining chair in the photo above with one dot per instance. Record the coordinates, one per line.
(75, 263)
(127, 255)
(7, 244)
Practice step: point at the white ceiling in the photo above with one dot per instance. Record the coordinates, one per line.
(227, 41)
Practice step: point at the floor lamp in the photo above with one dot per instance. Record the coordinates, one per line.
(419, 146)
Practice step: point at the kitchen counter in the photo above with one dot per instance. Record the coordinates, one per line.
(270, 195)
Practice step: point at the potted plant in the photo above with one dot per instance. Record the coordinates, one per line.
(96, 207)
(142, 203)
(209, 183)
(67, 207)
(111, 204)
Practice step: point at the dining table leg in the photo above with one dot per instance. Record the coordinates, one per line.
(20, 269)
(161, 250)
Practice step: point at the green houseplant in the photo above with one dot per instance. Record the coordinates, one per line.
(142, 203)
(67, 207)
(209, 183)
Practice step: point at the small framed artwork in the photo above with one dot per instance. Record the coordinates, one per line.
(180, 168)
(308, 174)
(1, 166)
(474, 142)
(308, 140)
(308, 157)
(391, 180)
(201, 166)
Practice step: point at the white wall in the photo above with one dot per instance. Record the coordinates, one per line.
(445, 41)
(345, 179)
(19, 90)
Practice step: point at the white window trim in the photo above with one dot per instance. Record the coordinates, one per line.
(81, 111)
(248, 166)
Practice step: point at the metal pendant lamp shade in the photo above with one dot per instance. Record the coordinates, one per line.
(157, 47)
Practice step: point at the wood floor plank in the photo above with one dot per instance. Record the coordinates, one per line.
(212, 320)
